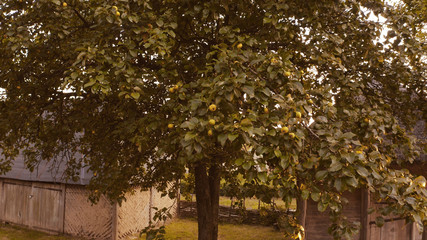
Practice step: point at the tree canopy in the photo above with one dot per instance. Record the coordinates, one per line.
(311, 98)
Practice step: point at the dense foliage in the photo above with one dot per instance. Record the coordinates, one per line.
(312, 97)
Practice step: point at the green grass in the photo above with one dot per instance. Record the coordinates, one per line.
(178, 229)
(186, 229)
(8, 232)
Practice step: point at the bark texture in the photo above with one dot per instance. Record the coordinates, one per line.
(207, 194)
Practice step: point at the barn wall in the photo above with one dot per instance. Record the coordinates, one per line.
(35, 205)
(317, 223)
(1, 199)
(395, 228)
(82, 218)
(133, 214)
(65, 208)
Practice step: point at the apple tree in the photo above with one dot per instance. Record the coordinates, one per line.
(312, 98)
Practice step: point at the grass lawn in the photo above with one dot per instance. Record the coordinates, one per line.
(178, 229)
(186, 229)
(8, 232)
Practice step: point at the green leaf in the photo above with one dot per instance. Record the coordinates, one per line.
(362, 171)
(321, 119)
(321, 207)
(90, 83)
(159, 22)
(247, 165)
(74, 75)
(262, 176)
(348, 135)
(352, 182)
(305, 194)
(321, 174)
(338, 184)
(284, 162)
(278, 153)
(315, 196)
(222, 138)
(379, 221)
(232, 137)
(135, 95)
(249, 90)
(374, 155)
(189, 136)
(239, 161)
(335, 166)
(298, 86)
(246, 122)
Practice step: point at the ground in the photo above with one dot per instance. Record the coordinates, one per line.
(8, 232)
(186, 229)
(179, 229)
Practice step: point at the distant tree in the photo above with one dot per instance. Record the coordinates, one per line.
(302, 96)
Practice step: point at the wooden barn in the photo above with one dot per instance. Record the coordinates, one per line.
(316, 223)
(42, 200)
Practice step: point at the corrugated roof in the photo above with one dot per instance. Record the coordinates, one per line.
(46, 171)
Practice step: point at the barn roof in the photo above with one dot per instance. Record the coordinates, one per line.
(46, 171)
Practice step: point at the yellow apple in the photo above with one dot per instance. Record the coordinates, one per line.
(284, 130)
(266, 110)
(212, 107)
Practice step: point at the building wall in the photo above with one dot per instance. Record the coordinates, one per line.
(65, 208)
(35, 205)
(394, 228)
(317, 223)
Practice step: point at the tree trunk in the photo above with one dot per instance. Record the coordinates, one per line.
(207, 197)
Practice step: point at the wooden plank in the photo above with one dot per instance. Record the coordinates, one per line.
(2, 196)
(364, 216)
(62, 209)
(425, 233)
(115, 232)
(301, 212)
(16, 202)
(374, 232)
(415, 233)
(45, 207)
